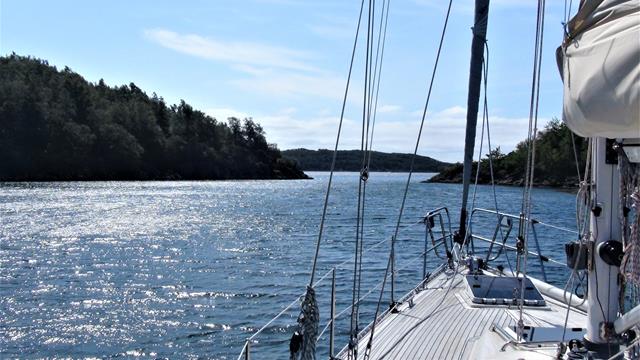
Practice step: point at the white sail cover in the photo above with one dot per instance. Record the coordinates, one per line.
(601, 69)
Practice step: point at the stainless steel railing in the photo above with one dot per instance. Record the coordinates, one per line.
(502, 233)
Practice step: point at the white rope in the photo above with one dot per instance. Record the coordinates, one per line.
(582, 224)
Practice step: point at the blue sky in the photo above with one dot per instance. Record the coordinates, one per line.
(284, 62)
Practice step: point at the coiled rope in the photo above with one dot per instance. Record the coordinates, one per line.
(630, 219)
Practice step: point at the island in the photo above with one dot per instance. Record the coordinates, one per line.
(351, 160)
(57, 126)
(555, 161)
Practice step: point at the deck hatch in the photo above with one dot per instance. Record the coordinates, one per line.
(492, 290)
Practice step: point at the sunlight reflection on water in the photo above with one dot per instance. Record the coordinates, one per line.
(185, 269)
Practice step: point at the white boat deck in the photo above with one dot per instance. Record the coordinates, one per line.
(442, 322)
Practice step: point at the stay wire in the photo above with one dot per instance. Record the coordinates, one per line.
(378, 70)
(491, 169)
(485, 118)
(424, 114)
(533, 124)
(371, 113)
(360, 205)
(375, 83)
(406, 189)
(531, 129)
(335, 150)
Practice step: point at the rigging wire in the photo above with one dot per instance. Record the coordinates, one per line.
(424, 114)
(485, 119)
(362, 183)
(582, 219)
(310, 290)
(531, 141)
(406, 189)
(371, 114)
(378, 70)
(335, 149)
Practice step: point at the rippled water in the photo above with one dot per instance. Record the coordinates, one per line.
(191, 269)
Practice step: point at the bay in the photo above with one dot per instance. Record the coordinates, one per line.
(192, 269)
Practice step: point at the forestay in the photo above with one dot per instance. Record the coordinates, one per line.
(600, 65)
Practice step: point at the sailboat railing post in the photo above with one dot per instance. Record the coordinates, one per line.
(535, 238)
(247, 355)
(424, 260)
(333, 312)
(393, 269)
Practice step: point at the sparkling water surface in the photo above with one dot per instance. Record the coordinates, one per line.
(192, 269)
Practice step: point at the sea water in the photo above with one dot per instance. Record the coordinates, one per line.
(192, 269)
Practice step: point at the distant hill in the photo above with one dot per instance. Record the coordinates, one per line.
(351, 160)
(55, 125)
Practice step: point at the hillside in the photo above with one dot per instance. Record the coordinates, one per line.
(351, 160)
(55, 125)
(555, 161)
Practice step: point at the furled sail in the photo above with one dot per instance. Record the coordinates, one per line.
(600, 66)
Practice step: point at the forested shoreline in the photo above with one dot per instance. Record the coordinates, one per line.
(555, 163)
(55, 125)
(351, 160)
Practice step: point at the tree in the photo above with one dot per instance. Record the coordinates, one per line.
(54, 125)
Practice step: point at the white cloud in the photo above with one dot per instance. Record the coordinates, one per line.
(442, 138)
(389, 109)
(334, 27)
(252, 70)
(268, 70)
(234, 52)
(283, 2)
(332, 31)
(285, 83)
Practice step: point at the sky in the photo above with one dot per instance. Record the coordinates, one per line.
(285, 62)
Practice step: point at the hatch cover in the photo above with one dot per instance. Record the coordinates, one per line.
(492, 290)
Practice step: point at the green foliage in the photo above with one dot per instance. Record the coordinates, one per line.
(555, 163)
(351, 160)
(54, 125)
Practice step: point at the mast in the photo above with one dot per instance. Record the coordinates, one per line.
(475, 79)
(604, 289)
